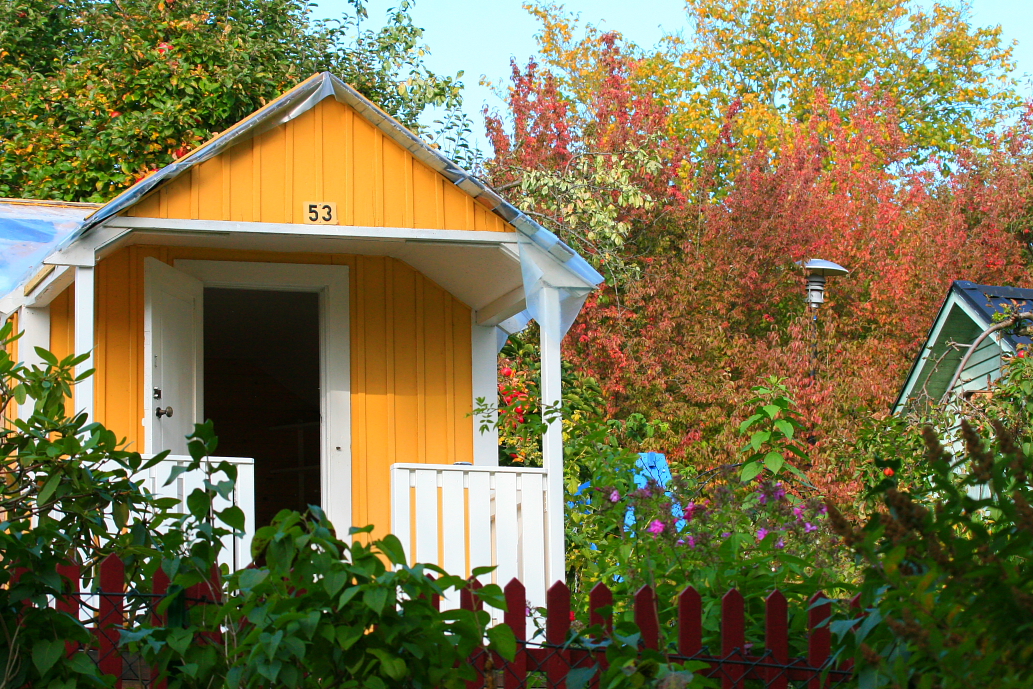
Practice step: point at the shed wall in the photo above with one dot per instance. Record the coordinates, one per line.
(329, 153)
(410, 362)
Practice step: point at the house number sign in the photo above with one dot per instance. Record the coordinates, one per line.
(320, 213)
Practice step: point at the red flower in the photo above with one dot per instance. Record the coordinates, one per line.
(572, 618)
(163, 48)
(888, 471)
(506, 371)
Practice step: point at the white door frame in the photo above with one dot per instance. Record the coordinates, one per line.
(331, 283)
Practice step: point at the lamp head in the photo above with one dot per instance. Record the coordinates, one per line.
(817, 270)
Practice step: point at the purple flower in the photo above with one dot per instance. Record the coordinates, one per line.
(691, 540)
(798, 511)
(761, 533)
(726, 534)
(781, 543)
(824, 509)
(656, 527)
(779, 492)
(615, 496)
(762, 498)
(808, 527)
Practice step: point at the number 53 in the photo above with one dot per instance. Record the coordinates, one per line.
(320, 213)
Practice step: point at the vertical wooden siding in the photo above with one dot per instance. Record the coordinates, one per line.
(62, 330)
(410, 361)
(329, 153)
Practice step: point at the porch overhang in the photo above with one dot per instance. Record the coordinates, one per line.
(481, 269)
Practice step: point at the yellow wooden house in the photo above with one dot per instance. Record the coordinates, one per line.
(332, 292)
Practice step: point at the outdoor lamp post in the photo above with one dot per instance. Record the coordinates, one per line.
(817, 271)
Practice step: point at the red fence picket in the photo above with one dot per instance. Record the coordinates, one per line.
(819, 645)
(776, 638)
(110, 611)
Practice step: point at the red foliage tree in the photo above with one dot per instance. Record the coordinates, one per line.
(720, 301)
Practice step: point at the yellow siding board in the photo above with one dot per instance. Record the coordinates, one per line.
(462, 392)
(62, 330)
(364, 137)
(239, 184)
(273, 145)
(457, 207)
(434, 353)
(209, 190)
(425, 198)
(149, 207)
(334, 167)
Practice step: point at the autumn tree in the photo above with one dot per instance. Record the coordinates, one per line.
(947, 78)
(95, 93)
(709, 298)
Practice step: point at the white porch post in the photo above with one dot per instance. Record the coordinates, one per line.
(552, 442)
(485, 384)
(35, 322)
(84, 342)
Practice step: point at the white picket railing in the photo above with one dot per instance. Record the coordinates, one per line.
(237, 553)
(461, 517)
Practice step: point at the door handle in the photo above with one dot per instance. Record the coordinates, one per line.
(167, 411)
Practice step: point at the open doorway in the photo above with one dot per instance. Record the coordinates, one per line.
(262, 390)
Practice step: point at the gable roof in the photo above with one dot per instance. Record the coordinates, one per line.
(977, 304)
(287, 107)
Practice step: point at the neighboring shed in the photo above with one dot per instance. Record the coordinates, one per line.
(966, 312)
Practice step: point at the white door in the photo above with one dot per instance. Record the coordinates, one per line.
(173, 347)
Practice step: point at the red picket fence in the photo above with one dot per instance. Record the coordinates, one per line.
(546, 664)
(108, 608)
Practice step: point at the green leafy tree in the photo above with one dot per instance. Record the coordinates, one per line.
(96, 93)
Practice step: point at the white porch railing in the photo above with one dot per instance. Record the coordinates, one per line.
(461, 517)
(237, 553)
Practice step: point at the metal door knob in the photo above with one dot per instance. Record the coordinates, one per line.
(167, 411)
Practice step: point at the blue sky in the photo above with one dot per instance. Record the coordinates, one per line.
(480, 36)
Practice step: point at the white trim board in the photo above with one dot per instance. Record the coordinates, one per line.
(331, 282)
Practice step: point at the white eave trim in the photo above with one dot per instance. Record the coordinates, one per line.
(85, 250)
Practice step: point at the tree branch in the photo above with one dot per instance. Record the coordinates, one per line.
(997, 327)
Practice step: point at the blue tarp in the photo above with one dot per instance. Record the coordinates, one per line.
(30, 232)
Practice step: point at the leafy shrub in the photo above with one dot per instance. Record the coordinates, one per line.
(948, 551)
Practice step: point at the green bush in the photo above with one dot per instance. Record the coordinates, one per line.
(948, 548)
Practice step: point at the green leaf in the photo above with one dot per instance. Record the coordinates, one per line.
(46, 653)
(774, 461)
(503, 641)
(749, 422)
(199, 502)
(392, 547)
(233, 517)
(48, 490)
(759, 438)
(771, 410)
(750, 471)
(785, 427)
(393, 666)
(375, 598)
(578, 677)
(334, 581)
(348, 594)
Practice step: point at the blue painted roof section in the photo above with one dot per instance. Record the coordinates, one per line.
(987, 300)
(32, 230)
